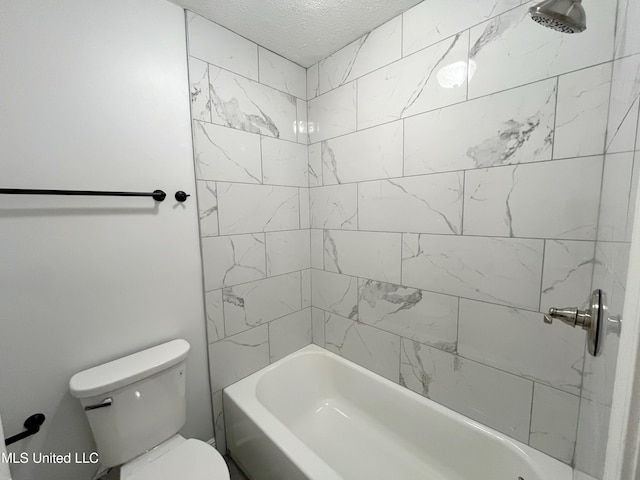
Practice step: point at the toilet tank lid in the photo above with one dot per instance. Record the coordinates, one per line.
(127, 370)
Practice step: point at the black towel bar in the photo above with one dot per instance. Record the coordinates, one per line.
(158, 195)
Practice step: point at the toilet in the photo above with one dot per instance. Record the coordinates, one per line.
(135, 406)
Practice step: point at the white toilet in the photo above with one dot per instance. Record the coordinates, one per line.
(135, 406)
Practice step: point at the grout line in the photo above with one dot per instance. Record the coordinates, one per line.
(544, 252)
(555, 118)
(533, 394)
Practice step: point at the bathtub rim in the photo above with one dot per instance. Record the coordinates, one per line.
(243, 394)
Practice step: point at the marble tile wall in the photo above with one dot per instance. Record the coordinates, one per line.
(456, 159)
(250, 150)
(615, 224)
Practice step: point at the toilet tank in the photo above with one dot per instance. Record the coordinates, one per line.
(135, 402)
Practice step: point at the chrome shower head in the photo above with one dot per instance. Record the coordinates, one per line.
(566, 16)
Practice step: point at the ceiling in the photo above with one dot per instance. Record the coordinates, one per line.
(304, 31)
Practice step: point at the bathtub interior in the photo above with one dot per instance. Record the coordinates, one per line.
(364, 426)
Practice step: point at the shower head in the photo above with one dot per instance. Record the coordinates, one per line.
(566, 16)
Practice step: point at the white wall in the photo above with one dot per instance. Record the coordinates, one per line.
(93, 95)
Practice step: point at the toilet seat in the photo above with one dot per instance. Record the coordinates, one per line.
(181, 460)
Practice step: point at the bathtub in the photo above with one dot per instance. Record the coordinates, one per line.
(314, 415)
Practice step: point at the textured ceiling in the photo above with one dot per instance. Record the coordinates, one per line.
(303, 31)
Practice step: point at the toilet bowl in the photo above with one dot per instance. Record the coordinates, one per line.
(135, 406)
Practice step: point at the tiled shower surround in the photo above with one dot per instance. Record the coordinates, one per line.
(455, 162)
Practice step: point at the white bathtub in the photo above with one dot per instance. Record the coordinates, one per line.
(314, 415)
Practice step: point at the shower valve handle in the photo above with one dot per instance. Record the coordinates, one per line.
(570, 316)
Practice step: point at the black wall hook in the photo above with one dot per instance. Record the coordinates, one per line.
(32, 425)
(181, 196)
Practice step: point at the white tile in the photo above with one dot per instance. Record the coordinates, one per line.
(232, 260)
(250, 106)
(414, 84)
(422, 204)
(306, 288)
(218, 423)
(518, 341)
(252, 304)
(315, 165)
(256, 208)
(505, 271)
(305, 213)
(371, 51)
(302, 125)
(633, 197)
(317, 325)
(226, 154)
(600, 372)
(502, 49)
(615, 199)
(287, 251)
(363, 254)
(554, 420)
(290, 333)
(334, 206)
(312, 82)
(593, 433)
(425, 317)
(509, 127)
(317, 249)
(578, 475)
(627, 31)
(367, 155)
(282, 74)
(581, 115)
(215, 44)
(333, 113)
(567, 271)
(433, 21)
(199, 80)
(215, 315)
(236, 357)
(369, 347)
(623, 110)
(284, 163)
(541, 200)
(610, 273)
(335, 293)
(207, 208)
(489, 396)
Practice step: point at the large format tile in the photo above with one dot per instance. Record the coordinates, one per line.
(489, 396)
(238, 356)
(367, 155)
(207, 208)
(433, 21)
(290, 333)
(317, 249)
(627, 31)
(305, 280)
(414, 84)
(305, 208)
(371, 51)
(284, 163)
(302, 124)
(334, 293)
(542, 200)
(518, 341)
(232, 260)
(425, 317)
(199, 81)
(212, 43)
(505, 271)
(215, 315)
(225, 154)
(282, 74)
(252, 304)
(369, 347)
(334, 206)
(422, 204)
(257, 208)
(363, 254)
(593, 430)
(250, 106)
(317, 325)
(313, 86)
(616, 197)
(581, 114)
(623, 110)
(315, 165)
(333, 113)
(567, 272)
(554, 421)
(287, 251)
(509, 127)
(511, 50)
